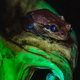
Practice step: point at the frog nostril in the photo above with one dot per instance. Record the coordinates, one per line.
(62, 33)
(68, 27)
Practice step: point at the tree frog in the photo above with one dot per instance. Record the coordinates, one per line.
(44, 23)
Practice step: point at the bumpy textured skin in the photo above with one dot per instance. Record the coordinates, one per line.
(37, 20)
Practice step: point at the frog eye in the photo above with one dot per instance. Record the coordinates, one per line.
(53, 28)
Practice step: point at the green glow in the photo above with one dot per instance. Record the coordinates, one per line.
(29, 60)
(73, 36)
(5, 51)
(74, 52)
(55, 73)
(60, 57)
(25, 73)
(34, 60)
(50, 76)
(34, 50)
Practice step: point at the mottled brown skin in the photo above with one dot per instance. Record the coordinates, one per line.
(45, 17)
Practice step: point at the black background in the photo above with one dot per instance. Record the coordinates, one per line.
(70, 9)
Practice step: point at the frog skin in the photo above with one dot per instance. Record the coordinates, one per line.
(46, 24)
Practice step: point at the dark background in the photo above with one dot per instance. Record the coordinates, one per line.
(70, 9)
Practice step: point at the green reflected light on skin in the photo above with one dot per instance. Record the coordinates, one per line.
(74, 52)
(55, 73)
(73, 36)
(9, 66)
(50, 76)
(5, 51)
(25, 73)
(60, 57)
(36, 51)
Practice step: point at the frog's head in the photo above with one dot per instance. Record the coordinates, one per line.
(52, 25)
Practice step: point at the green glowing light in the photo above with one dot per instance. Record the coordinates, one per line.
(50, 76)
(25, 59)
(73, 36)
(55, 73)
(38, 51)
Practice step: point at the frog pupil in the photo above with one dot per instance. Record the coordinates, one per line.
(53, 28)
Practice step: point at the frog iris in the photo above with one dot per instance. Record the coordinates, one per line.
(53, 28)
